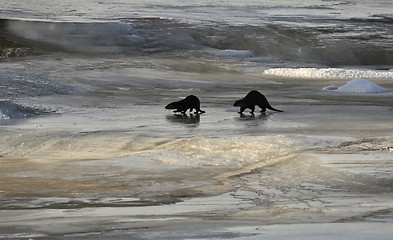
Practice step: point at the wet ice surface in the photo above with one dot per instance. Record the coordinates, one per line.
(108, 161)
(154, 170)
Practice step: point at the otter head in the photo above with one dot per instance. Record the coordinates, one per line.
(170, 106)
(239, 103)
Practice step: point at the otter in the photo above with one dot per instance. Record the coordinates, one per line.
(251, 99)
(190, 102)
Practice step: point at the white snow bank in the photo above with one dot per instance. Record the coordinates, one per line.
(331, 73)
(358, 86)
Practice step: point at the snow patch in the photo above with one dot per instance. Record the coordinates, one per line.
(358, 86)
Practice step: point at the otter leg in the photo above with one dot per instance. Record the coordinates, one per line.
(197, 110)
(242, 110)
(263, 109)
(252, 110)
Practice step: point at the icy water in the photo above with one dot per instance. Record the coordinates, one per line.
(88, 150)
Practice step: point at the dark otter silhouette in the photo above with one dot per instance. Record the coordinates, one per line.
(191, 102)
(251, 99)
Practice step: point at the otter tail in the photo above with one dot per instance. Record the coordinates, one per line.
(272, 108)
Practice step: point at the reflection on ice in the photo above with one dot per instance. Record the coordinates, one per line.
(189, 120)
(224, 152)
